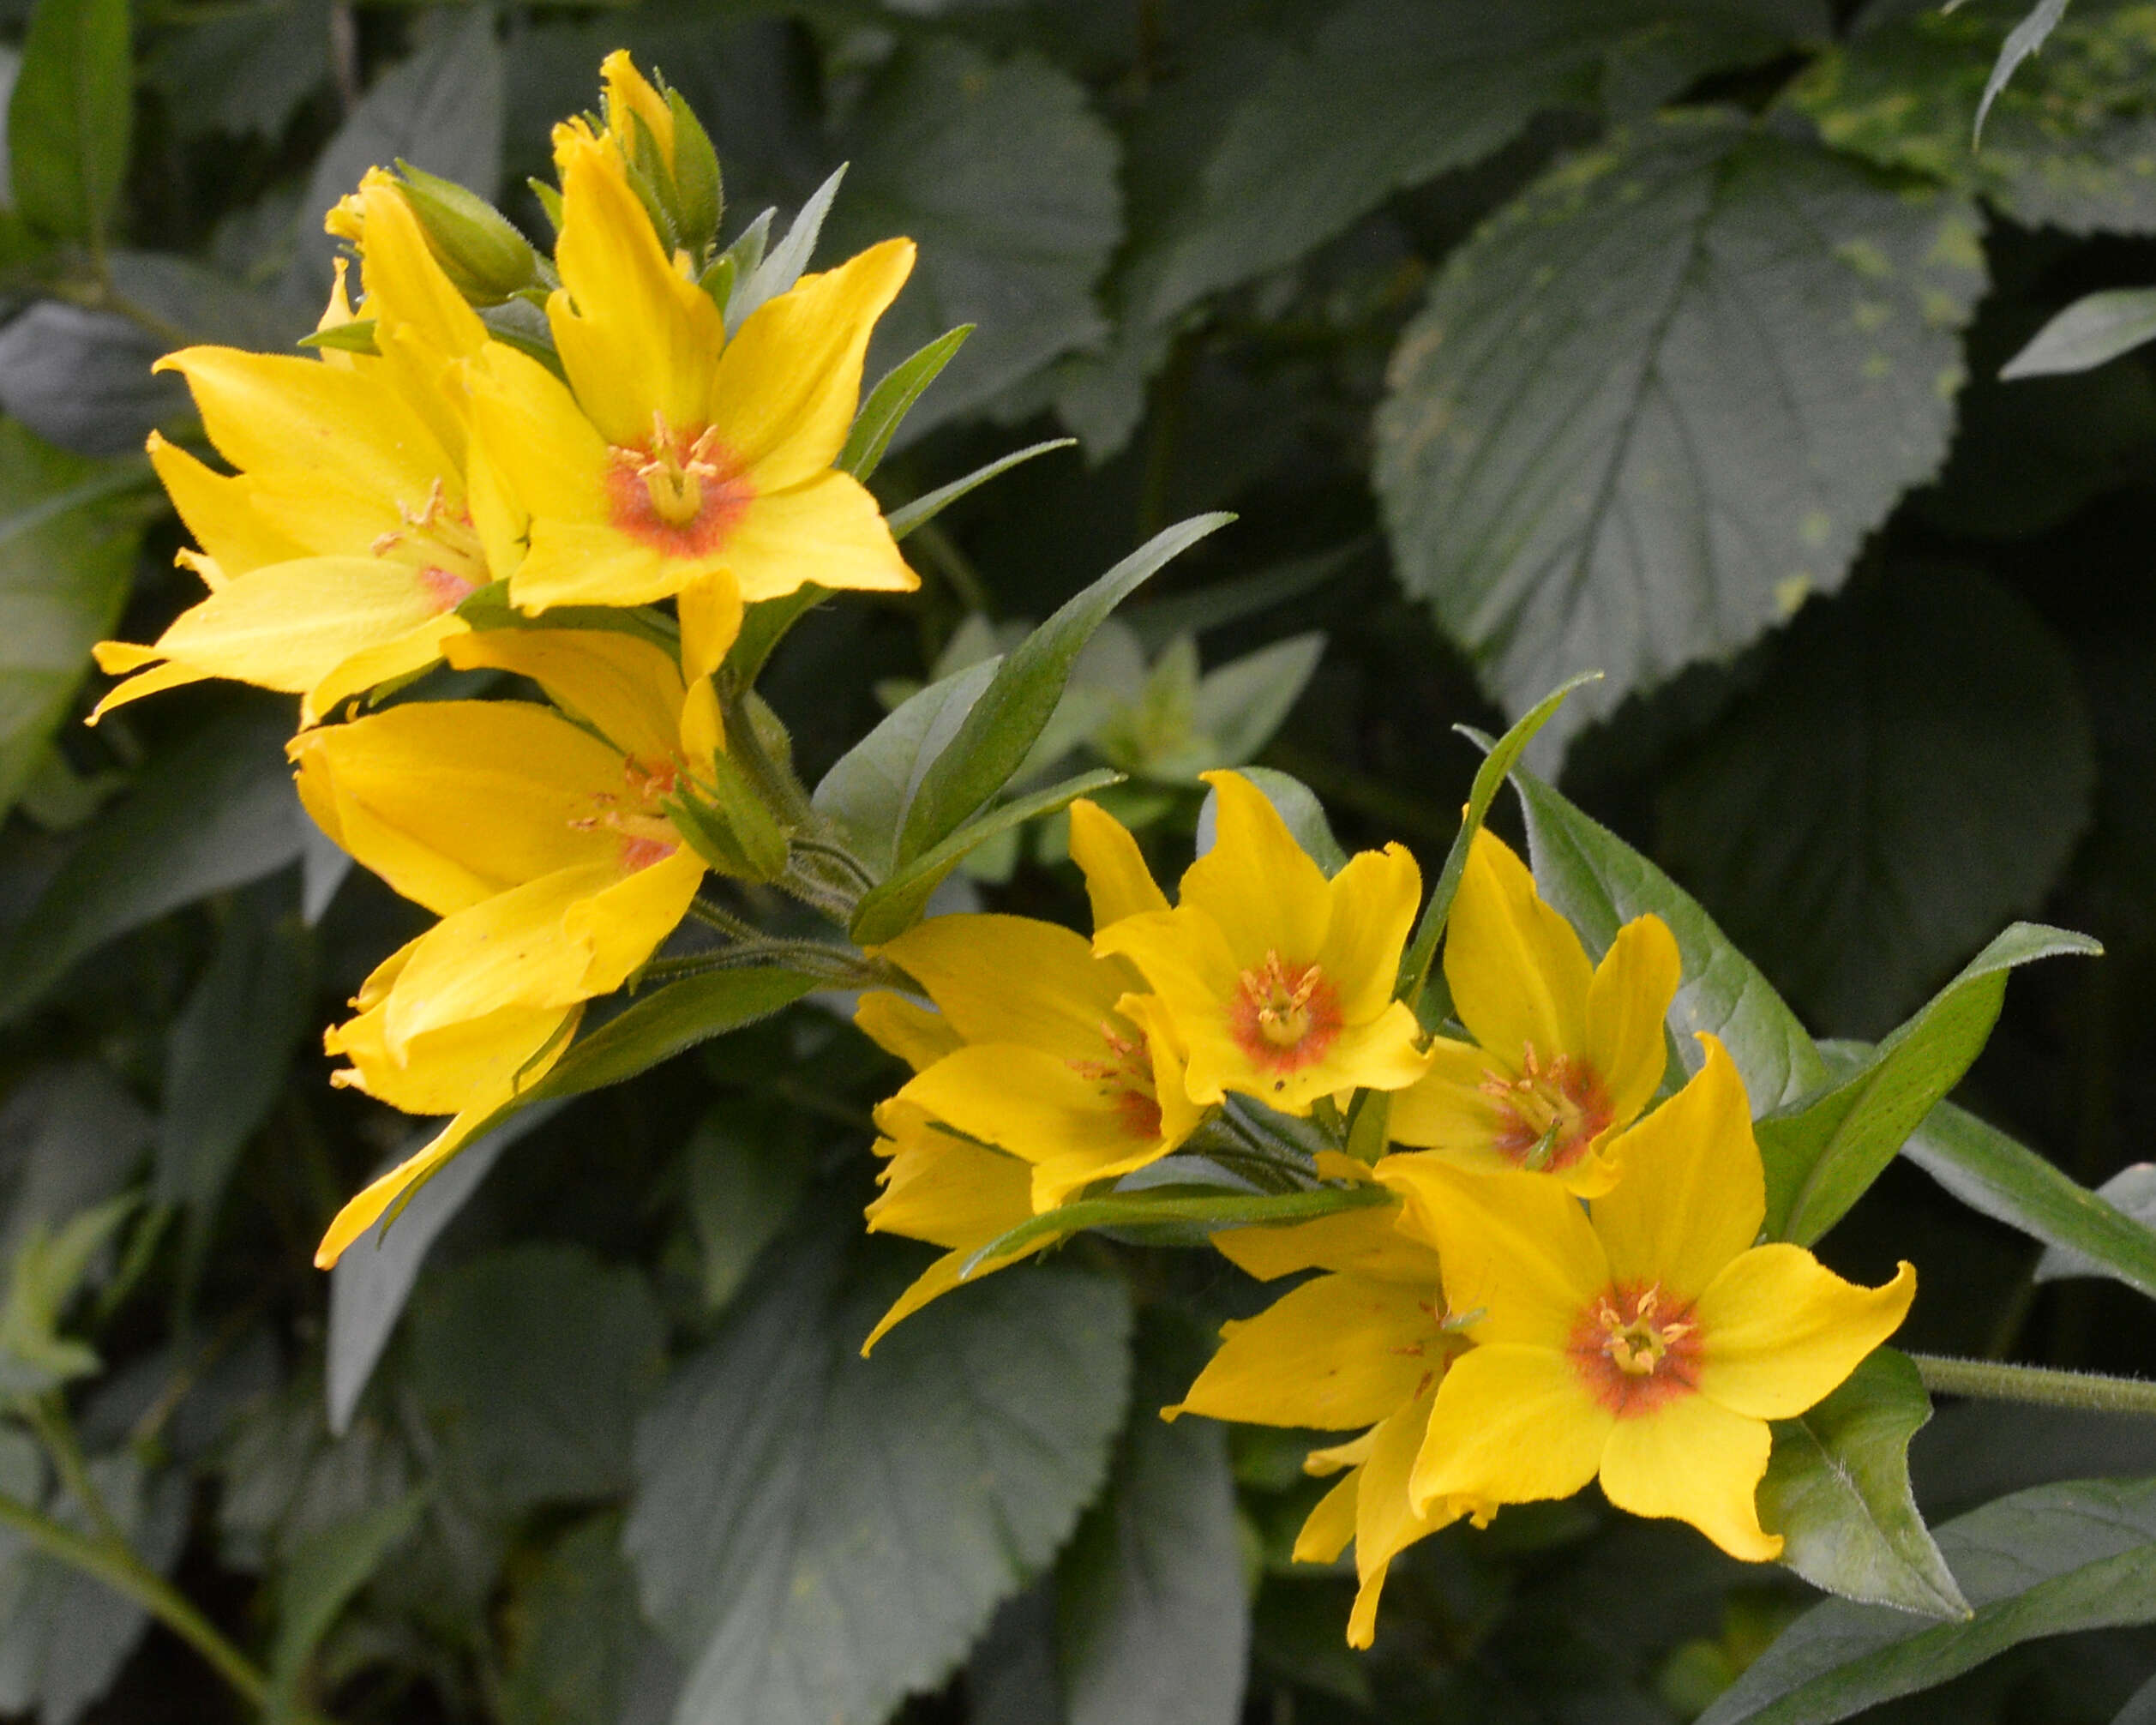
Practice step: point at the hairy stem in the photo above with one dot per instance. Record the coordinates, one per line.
(2042, 1386)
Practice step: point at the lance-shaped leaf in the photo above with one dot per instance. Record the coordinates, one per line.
(2096, 327)
(888, 404)
(870, 787)
(2132, 1193)
(1015, 708)
(906, 517)
(1600, 883)
(2044, 1562)
(1824, 1153)
(1837, 1491)
(2006, 1181)
(69, 115)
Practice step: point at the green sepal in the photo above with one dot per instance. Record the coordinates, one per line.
(357, 336)
(549, 201)
(700, 201)
(729, 825)
(478, 246)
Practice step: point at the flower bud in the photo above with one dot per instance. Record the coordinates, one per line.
(477, 246)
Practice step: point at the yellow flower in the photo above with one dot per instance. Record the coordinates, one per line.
(1643, 1338)
(1565, 1053)
(337, 553)
(675, 461)
(1059, 1059)
(630, 98)
(1278, 982)
(1362, 1346)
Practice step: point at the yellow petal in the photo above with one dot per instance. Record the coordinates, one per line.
(1117, 880)
(449, 1070)
(625, 686)
(217, 510)
(710, 608)
(900, 1026)
(1447, 1110)
(636, 338)
(1335, 1354)
(1257, 885)
(827, 530)
(1511, 1425)
(629, 97)
(1180, 1115)
(404, 283)
(384, 661)
(1373, 903)
(943, 1190)
(1691, 1460)
(361, 1212)
(1363, 1243)
(537, 443)
(1627, 1010)
(1519, 974)
(590, 563)
(1778, 1332)
(787, 387)
(1329, 1527)
(1693, 1192)
(1516, 1248)
(155, 682)
(1334, 1456)
(1011, 979)
(624, 923)
(1388, 1520)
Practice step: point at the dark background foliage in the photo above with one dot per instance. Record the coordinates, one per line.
(1658, 338)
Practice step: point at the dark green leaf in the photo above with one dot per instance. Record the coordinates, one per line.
(1624, 475)
(1004, 724)
(326, 1570)
(2142, 1709)
(70, 117)
(871, 786)
(1153, 1616)
(887, 911)
(906, 517)
(764, 625)
(1837, 1491)
(1600, 883)
(1007, 179)
(579, 1637)
(2024, 39)
(46, 1272)
(2132, 1193)
(242, 72)
(2043, 1562)
(530, 1364)
(2096, 327)
(1912, 769)
(74, 1138)
(820, 1534)
(745, 1182)
(1240, 706)
(1993, 1175)
(215, 813)
(1823, 1154)
(892, 400)
(68, 536)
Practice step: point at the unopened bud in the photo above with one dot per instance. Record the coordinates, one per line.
(479, 249)
(729, 825)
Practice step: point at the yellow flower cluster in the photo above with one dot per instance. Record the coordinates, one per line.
(421, 458)
(1564, 1284)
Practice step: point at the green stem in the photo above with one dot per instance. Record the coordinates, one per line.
(49, 1418)
(2042, 1385)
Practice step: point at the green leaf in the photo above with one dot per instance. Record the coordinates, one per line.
(906, 517)
(2065, 146)
(1169, 1217)
(746, 1178)
(2024, 39)
(1999, 1178)
(216, 812)
(241, 72)
(1296, 804)
(1600, 883)
(1239, 705)
(2132, 1193)
(1001, 730)
(47, 1270)
(820, 1534)
(776, 271)
(2095, 328)
(871, 786)
(530, 1364)
(325, 1571)
(577, 1635)
(1837, 1491)
(1624, 476)
(1152, 1612)
(1912, 769)
(1007, 178)
(68, 537)
(70, 116)
(1823, 1155)
(892, 400)
(2043, 1562)
(887, 911)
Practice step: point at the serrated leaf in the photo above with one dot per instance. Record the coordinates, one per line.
(1837, 1491)
(1999, 1178)
(821, 1534)
(2043, 1562)
(1591, 453)
(1823, 1154)
(2095, 328)
(1600, 883)
(1914, 768)
(890, 401)
(1008, 718)
(70, 117)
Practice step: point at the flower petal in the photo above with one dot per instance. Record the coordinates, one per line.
(385, 661)
(1387, 1521)
(536, 442)
(446, 1071)
(626, 687)
(1691, 1460)
(1518, 973)
(1117, 880)
(827, 530)
(900, 1026)
(624, 923)
(710, 608)
(1329, 1527)
(1627, 1012)
(219, 511)
(1511, 1425)
(1446, 1110)
(1256, 883)
(1373, 902)
(1367, 1242)
(1693, 1191)
(1011, 979)
(1778, 1331)
(590, 563)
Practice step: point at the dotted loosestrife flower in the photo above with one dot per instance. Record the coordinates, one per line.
(1061, 1059)
(542, 847)
(1362, 1345)
(337, 552)
(1565, 1053)
(676, 461)
(1278, 982)
(1644, 1338)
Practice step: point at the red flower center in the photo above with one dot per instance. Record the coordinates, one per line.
(647, 835)
(1284, 1017)
(681, 496)
(1636, 1351)
(1126, 1078)
(1549, 1115)
(443, 545)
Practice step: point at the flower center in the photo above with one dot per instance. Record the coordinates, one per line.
(679, 494)
(647, 835)
(1551, 1113)
(444, 547)
(1635, 1350)
(1126, 1078)
(1284, 1016)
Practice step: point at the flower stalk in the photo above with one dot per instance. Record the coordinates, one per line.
(2042, 1386)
